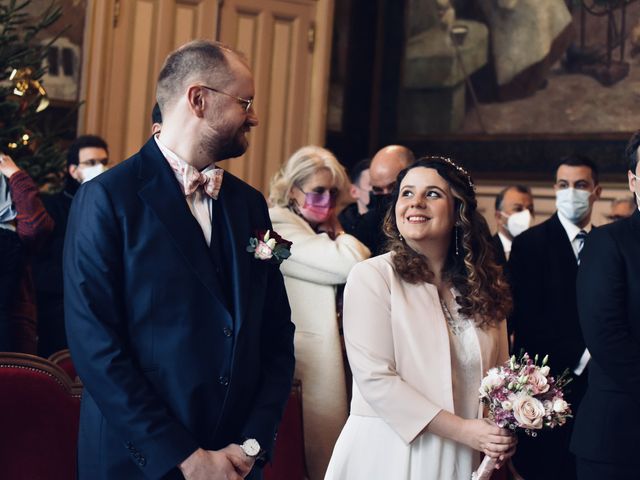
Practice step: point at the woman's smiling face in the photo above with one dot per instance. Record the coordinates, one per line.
(425, 207)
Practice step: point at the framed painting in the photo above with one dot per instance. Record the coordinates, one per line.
(510, 86)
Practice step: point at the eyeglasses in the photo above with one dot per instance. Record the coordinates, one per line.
(247, 104)
(92, 162)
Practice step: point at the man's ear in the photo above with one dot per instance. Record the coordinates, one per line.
(73, 172)
(353, 191)
(597, 191)
(195, 99)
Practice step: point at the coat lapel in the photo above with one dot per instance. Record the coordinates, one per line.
(559, 242)
(235, 215)
(161, 192)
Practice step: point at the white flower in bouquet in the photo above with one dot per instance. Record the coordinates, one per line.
(560, 405)
(492, 381)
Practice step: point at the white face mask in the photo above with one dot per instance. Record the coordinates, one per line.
(519, 222)
(89, 173)
(573, 204)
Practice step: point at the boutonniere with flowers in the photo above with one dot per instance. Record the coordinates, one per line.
(269, 246)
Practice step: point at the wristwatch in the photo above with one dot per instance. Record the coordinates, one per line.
(251, 448)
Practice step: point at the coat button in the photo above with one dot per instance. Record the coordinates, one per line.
(227, 332)
(142, 462)
(223, 381)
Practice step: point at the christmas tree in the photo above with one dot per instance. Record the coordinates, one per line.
(24, 132)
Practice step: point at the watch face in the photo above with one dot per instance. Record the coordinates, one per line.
(251, 447)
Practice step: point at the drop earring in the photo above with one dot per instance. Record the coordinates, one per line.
(456, 240)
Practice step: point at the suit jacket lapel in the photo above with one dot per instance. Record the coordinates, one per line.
(161, 192)
(235, 215)
(560, 241)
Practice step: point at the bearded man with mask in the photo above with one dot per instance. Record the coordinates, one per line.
(303, 199)
(514, 214)
(608, 289)
(543, 266)
(386, 164)
(87, 157)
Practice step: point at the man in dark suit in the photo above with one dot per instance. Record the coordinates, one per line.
(605, 437)
(182, 337)
(514, 214)
(542, 268)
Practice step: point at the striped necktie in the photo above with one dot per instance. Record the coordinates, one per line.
(580, 237)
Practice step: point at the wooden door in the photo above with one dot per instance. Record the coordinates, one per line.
(127, 42)
(287, 43)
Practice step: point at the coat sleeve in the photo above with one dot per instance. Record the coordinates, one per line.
(370, 348)
(603, 308)
(97, 331)
(33, 223)
(277, 360)
(316, 258)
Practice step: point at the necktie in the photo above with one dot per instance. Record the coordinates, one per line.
(210, 181)
(580, 237)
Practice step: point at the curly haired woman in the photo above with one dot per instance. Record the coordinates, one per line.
(422, 324)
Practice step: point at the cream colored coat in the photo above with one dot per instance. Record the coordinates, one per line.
(398, 348)
(317, 264)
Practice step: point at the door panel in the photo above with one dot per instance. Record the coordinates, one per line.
(128, 40)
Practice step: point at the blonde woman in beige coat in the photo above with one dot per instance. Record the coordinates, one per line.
(303, 197)
(423, 323)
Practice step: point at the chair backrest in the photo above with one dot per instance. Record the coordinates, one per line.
(63, 359)
(288, 455)
(39, 416)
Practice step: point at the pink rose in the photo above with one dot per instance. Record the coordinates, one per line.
(528, 411)
(538, 382)
(263, 251)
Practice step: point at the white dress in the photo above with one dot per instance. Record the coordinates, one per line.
(369, 449)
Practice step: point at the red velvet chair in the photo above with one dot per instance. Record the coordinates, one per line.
(63, 360)
(288, 454)
(39, 415)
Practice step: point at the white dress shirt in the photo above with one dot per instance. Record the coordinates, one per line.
(506, 244)
(199, 202)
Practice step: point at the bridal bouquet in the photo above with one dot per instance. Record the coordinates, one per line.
(521, 395)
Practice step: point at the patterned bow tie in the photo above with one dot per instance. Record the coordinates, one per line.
(210, 181)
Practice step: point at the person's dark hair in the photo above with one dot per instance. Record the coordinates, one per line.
(194, 60)
(156, 114)
(356, 171)
(84, 141)
(631, 151)
(483, 294)
(577, 160)
(503, 192)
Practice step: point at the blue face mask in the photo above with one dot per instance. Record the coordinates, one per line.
(573, 204)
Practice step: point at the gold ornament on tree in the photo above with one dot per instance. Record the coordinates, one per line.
(28, 89)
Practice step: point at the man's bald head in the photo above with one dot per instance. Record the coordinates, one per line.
(386, 165)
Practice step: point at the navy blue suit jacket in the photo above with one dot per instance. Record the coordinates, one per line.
(167, 367)
(608, 287)
(542, 270)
